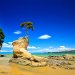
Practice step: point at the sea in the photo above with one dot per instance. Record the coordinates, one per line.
(44, 54)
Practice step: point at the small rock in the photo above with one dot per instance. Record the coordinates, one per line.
(2, 55)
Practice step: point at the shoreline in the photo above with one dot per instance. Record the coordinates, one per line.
(42, 54)
(7, 68)
(15, 69)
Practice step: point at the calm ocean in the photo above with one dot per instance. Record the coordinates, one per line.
(46, 54)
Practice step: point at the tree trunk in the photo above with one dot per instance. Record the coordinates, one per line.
(26, 32)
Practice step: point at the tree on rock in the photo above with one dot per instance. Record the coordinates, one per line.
(27, 25)
(2, 36)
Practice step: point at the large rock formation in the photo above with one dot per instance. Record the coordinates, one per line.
(22, 56)
(20, 48)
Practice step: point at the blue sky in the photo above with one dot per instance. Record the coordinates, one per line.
(53, 20)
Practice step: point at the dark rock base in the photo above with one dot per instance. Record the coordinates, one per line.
(2, 55)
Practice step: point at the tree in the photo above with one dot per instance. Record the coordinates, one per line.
(2, 36)
(27, 25)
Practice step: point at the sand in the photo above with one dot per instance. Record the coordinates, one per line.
(7, 68)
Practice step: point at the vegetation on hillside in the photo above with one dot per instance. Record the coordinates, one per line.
(2, 36)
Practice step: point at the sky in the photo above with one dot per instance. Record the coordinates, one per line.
(53, 21)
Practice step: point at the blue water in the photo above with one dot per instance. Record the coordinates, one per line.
(45, 54)
(53, 54)
(6, 53)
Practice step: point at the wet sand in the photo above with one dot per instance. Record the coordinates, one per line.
(7, 68)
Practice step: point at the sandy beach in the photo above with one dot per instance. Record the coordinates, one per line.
(7, 68)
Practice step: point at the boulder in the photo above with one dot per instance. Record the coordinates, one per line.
(23, 57)
(2, 55)
(20, 48)
(38, 64)
(69, 57)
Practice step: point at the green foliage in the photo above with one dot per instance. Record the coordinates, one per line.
(27, 25)
(2, 36)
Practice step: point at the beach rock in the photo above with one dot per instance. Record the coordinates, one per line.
(2, 55)
(59, 63)
(56, 57)
(25, 62)
(70, 67)
(64, 61)
(38, 64)
(63, 57)
(69, 57)
(23, 57)
(39, 59)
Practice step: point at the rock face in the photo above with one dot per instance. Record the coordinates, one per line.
(64, 61)
(20, 48)
(22, 56)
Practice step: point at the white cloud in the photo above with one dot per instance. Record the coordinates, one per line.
(44, 36)
(10, 43)
(33, 47)
(62, 47)
(6, 51)
(52, 49)
(59, 49)
(7, 45)
(17, 32)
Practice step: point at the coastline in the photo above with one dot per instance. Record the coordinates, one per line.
(41, 54)
(7, 68)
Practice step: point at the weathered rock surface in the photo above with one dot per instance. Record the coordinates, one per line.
(20, 48)
(69, 57)
(66, 61)
(63, 57)
(23, 57)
